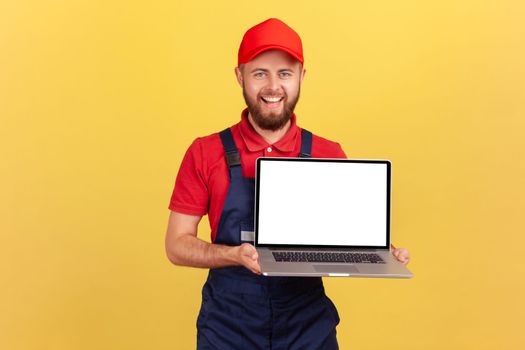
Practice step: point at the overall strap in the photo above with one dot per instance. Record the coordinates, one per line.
(233, 159)
(230, 149)
(306, 144)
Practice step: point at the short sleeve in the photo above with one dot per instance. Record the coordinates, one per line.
(339, 152)
(190, 193)
(323, 148)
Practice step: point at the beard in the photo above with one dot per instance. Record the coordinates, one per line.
(272, 121)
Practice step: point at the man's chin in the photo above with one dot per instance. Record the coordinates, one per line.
(272, 123)
(271, 116)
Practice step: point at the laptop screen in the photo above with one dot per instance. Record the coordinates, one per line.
(322, 202)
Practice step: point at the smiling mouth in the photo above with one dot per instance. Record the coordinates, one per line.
(272, 100)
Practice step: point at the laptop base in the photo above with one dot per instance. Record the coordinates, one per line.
(390, 269)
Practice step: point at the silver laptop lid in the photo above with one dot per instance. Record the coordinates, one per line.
(322, 203)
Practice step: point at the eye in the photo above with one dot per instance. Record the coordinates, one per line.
(259, 75)
(285, 75)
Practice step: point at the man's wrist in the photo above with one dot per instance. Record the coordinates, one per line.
(233, 255)
(226, 255)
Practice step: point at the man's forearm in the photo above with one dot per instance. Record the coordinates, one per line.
(188, 250)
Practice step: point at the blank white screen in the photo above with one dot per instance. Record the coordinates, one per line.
(322, 203)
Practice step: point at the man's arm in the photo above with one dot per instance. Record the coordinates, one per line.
(185, 249)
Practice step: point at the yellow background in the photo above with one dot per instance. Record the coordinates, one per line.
(100, 99)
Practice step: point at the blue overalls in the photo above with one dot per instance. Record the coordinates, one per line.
(242, 310)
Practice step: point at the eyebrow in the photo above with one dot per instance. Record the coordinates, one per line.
(266, 70)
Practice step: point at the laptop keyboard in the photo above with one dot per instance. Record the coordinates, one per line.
(328, 257)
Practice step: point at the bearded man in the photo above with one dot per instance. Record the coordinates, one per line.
(242, 309)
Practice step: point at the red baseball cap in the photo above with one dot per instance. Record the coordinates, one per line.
(270, 34)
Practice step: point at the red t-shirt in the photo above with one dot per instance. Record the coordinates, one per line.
(202, 181)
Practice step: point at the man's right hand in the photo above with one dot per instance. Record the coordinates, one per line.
(247, 257)
(183, 248)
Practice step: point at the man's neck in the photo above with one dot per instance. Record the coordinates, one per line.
(268, 135)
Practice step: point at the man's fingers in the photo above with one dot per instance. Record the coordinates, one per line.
(402, 255)
(255, 268)
(249, 256)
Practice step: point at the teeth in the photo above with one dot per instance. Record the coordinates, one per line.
(272, 99)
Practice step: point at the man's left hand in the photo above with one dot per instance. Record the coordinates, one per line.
(401, 254)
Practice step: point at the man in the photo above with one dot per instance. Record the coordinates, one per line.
(241, 309)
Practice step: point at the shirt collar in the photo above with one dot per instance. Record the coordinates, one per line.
(254, 142)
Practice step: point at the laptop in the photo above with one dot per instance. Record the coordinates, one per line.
(324, 217)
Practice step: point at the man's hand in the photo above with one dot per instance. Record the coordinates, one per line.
(401, 254)
(247, 256)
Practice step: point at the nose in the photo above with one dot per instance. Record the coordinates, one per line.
(273, 82)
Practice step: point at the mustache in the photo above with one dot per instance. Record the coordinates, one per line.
(272, 94)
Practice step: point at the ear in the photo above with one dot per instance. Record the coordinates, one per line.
(302, 75)
(238, 75)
